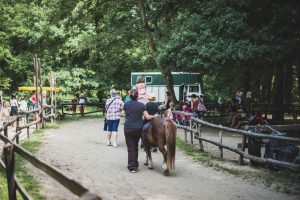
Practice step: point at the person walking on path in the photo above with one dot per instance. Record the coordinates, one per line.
(113, 106)
(134, 111)
(82, 101)
(32, 101)
(13, 106)
(74, 103)
(23, 108)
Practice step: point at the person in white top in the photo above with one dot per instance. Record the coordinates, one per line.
(14, 105)
(23, 105)
(23, 108)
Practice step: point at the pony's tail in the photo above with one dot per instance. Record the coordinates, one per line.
(170, 130)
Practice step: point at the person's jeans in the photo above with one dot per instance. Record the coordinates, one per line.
(132, 137)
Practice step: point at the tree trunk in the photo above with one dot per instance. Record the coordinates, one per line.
(269, 88)
(255, 86)
(288, 84)
(266, 88)
(167, 74)
(277, 114)
(247, 83)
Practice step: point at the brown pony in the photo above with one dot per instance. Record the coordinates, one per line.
(161, 132)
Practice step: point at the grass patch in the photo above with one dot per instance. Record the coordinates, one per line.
(204, 158)
(3, 186)
(284, 180)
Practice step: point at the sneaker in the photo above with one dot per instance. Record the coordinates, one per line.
(108, 143)
(115, 144)
(133, 171)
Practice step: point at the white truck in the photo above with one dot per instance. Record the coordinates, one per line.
(185, 84)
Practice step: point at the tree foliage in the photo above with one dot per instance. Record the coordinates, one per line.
(236, 45)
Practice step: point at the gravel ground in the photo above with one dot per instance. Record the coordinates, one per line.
(79, 150)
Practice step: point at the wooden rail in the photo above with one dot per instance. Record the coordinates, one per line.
(11, 148)
(62, 107)
(293, 109)
(196, 134)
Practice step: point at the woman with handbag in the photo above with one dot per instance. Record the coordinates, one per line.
(113, 107)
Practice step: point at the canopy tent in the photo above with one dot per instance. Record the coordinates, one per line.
(26, 88)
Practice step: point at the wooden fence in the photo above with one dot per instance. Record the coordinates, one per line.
(11, 147)
(292, 109)
(66, 108)
(194, 129)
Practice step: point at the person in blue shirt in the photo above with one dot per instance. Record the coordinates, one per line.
(134, 112)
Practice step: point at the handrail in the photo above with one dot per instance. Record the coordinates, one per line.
(78, 104)
(246, 133)
(288, 165)
(9, 123)
(242, 132)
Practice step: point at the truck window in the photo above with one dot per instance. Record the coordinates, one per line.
(194, 88)
(148, 79)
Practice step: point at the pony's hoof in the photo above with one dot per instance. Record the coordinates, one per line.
(166, 172)
(145, 163)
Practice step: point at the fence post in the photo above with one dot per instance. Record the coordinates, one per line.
(185, 135)
(52, 117)
(185, 131)
(43, 117)
(37, 117)
(5, 131)
(243, 147)
(10, 167)
(221, 141)
(27, 122)
(17, 127)
(200, 135)
(191, 132)
(62, 110)
(294, 114)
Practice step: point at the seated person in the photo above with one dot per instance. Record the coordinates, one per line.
(142, 91)
(152, 109)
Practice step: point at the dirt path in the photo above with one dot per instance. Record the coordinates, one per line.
(79, 150)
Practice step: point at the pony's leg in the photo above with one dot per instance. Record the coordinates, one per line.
(147, 155)
(148, 160)
(150, 163)
(164, 153)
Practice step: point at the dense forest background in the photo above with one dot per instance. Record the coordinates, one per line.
(93, 45)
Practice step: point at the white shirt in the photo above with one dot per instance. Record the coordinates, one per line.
(23, 105)
(13, 102)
